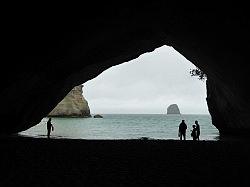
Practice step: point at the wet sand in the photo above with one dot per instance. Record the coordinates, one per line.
(67, 162)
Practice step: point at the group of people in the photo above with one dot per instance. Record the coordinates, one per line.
(195, 132)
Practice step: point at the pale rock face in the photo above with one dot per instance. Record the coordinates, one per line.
(173, 109)
(73, 105)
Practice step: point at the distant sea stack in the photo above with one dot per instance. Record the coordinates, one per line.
(73, 105)
(173, 109)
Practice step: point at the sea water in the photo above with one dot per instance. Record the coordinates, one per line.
(124, 126)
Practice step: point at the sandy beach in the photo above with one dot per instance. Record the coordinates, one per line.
(69, 162)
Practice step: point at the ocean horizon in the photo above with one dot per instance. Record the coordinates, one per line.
(124, 126)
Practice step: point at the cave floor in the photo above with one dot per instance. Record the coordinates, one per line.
(54, 162)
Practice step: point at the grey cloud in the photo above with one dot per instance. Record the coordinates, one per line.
(147, 84)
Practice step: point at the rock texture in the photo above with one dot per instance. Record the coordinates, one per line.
(229, 110)
(73, 105)
(173, 109)
(97, 116)
(44, 56)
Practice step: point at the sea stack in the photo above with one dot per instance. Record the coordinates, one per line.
(173, 109)
(73, 105)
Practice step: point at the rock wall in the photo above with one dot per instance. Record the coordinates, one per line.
(230, 114)
(73, 105)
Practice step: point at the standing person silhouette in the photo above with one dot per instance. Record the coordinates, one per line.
(182, 130)
(49, 127)
(194, 133)
(197, 126)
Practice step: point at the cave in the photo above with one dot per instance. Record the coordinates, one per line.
(47, 54)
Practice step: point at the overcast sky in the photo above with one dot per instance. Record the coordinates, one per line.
(147, 85)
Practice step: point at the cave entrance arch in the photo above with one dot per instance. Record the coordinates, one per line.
(47, 63)
(145, 85)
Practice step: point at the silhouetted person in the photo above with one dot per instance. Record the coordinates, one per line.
(197, 126)
(182, 130)
(194, 133)
(49, 127)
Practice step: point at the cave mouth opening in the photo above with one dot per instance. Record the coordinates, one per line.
(137, 94)
(147, 85)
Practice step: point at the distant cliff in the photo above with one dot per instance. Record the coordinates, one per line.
(73, 105)
(173, 109)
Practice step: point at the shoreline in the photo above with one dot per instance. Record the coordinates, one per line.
(44, 136)
(50, 162)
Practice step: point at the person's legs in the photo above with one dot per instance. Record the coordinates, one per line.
(48, 135)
